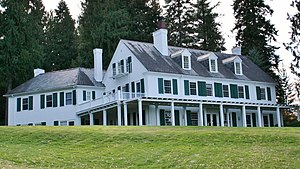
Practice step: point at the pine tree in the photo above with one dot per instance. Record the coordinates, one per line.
(101, 25)
(144, 15)
(61, 35)
(294, 44)
(179, 22)
(255, 33)
(208, 36)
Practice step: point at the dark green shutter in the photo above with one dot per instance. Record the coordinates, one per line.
(84, 96)
(218, 90)
(177, 123)
(160, 85)
(254, 119)
(233, 91)
(54, 99)
(74, 97)
(18, 104)
(30, 103)
(162, 117)
(269, 93)
(247, 92)
(258, 93)
(142, 86)
(186, 87)
(94, 93)
(201, 88)
(175, 86)
(61, 99)
(42, 101)
(189, 118)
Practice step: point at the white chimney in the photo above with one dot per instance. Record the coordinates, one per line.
(160, 38)
(98, 64)
(236, 50)
(38, 71)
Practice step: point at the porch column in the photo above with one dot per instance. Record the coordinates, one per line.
(200, 114)
(259, 116)
(125, 115)
(278, 116)
(222, 115)
(173, 113)
(228, 120)
(185, 116)
(244, 116)
(157, 115)
(119, 114)
(104, 117)
(78, 120)
(205, 118)
(140, 108)
(91, 119)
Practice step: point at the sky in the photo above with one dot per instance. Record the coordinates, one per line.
(280, 7)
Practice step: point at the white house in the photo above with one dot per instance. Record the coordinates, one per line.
(150, 84)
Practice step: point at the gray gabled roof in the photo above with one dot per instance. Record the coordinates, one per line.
(57, 80)
(153, 61)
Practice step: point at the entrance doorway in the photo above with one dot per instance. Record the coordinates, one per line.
(211, 119)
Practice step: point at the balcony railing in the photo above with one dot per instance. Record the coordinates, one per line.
(118, 96)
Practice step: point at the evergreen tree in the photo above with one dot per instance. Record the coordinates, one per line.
(208, 36)
(21, 42)
(179, 22)
(255, 33)
(293, 46)
(101, 25)
(61, 39)
(144, 14)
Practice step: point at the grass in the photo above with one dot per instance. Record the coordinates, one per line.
(149, 147)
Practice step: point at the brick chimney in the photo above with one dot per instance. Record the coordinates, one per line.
(160, 38)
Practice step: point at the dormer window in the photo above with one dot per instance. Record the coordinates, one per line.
(186, 62)
(234, 63)
(238, 68)
(183, 58)
(213, 65)
(209, 60)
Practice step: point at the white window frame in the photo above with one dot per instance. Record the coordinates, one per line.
(50, 101)
(167, 86)
(25, 104)
(69, 101)
(210, 65)
(240, 67)
(263, 94)
(88, 96)
(184, 65)
(212, 89)
(195, 89)
(241, 92)
(228, 93)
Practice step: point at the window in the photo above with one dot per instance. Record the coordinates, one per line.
(241, 91)
(138, 87)
(193, 90)
(167, 119)
(69, 98)
(167, 86)
(55, 123)
(63, 123)
(262, 93)
(225, 91)
(114, 69)
(209, 90)
(129, 65)
(88, 96)
(122, 66)
(186, 62)
(43, 123)
(71, 123)
(213, 65)
(238, 68)
(49, 100)
(25, 104)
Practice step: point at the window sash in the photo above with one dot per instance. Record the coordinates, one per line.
(262, 93)
(193, 88)
(237, 68)
(49, 100)
(209, 90)
(213, 67)
(241, 91)
(225, 91)
(186, 64)
(25, 104)
(167, 86)
(69, 98)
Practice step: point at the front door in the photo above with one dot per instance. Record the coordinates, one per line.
(234, 123)
(266, 121)
(211, 120)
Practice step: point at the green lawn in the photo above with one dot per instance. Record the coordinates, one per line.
(149, 147)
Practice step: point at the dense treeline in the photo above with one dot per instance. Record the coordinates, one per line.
(32, 38)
